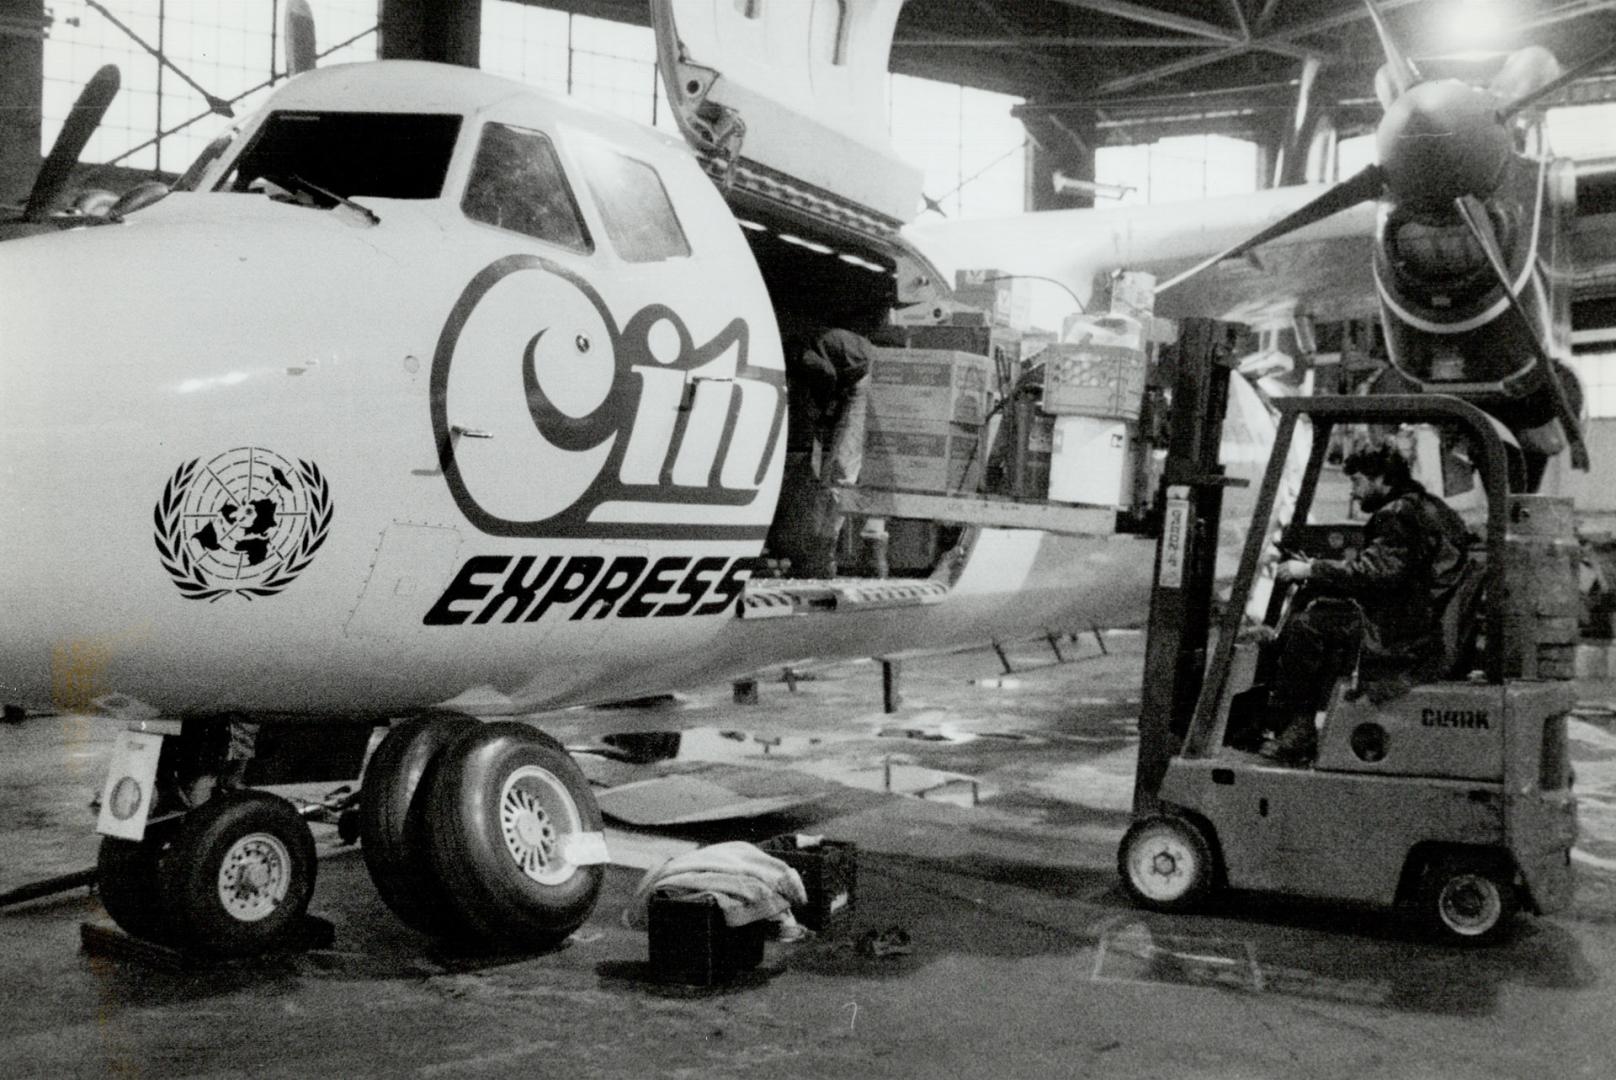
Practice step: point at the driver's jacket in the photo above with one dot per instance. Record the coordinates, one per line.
(1413, 556)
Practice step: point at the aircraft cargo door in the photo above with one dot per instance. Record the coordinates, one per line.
(794, 88)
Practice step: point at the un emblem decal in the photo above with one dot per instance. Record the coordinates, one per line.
(247, 522)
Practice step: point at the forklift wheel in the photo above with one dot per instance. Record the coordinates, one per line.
(1166, 863)
(1465, 900)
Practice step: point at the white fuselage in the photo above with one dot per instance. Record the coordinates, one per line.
(260, 456)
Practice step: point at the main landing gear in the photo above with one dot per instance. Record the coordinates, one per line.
(485, 834)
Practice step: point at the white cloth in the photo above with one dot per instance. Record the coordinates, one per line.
(748, 883)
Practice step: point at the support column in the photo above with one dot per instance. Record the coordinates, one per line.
(445, 31)
(22, 68)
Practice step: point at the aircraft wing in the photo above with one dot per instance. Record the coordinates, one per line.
(1322, 270)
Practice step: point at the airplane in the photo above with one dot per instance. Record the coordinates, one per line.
(424, 387)
(1461, 241)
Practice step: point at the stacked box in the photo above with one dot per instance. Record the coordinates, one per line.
(689, 941)
(919, 455)
(930, 384)
(829, 872)
(1133, 293)
(1002, 296)
(924, 427)
(1100, 372)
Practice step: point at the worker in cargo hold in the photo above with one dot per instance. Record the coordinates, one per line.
(1385, 605)
(828, 385)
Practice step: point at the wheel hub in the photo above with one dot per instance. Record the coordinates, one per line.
(1470, 904)
(1164, 864)
(254, 877)
(536, 813)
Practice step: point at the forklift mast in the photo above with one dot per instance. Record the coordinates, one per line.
(1187, 549)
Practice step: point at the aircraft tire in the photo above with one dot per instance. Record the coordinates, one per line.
(1166, 863)
(129, 882)
(504, 800)
(238, 878)
(1466, 900)
(392, 820)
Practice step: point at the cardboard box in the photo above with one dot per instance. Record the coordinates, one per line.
(1133, 293)
(1005, 298)
(1089, 461)
(930, 384)
(920, 455)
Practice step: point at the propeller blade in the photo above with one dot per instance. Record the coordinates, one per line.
(82, 120)
(1349, 192)
(1481, 227)
(1402, 70)
(1571, 74)
(301, 54)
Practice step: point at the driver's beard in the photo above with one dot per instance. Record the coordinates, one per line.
(1374, 501)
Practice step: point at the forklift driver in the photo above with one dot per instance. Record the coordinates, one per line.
(1413, 558)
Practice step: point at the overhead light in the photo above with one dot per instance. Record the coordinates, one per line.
(861, 263)
(1477, 23)
(754, 226)
(809, 244)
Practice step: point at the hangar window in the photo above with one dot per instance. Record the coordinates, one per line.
(382, 155)
(517, 183)
(634, 205)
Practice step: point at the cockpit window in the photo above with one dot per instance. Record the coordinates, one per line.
(383, 155)
(633, 204)
(516, 183)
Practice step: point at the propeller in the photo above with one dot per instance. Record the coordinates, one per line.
(1445, 148)
(1438, 141)
(82, 120)
(1480, 224)
(1399, 68)
(301, 54)
(1366, 184)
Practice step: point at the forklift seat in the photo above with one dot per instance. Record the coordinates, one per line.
(1461, 617)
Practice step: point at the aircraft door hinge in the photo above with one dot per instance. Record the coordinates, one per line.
(717, 130)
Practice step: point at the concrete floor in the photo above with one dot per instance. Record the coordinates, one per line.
(1028, 959)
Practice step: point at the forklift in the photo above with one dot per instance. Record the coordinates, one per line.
(1453, 800)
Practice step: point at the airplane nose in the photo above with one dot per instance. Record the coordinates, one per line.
(1442, 140)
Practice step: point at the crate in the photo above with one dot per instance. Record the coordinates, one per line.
(829, 871)
(690, 943)
(1100, 372)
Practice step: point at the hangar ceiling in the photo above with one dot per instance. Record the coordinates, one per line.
(1108, 72)
(1138, 69)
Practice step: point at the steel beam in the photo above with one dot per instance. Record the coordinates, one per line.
(1164, 20)
(1177, 67)
(1053, 43)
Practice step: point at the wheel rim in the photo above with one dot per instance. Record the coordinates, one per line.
(1162, 865)
(255, 877)
(1470, 904)
(536, 815)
